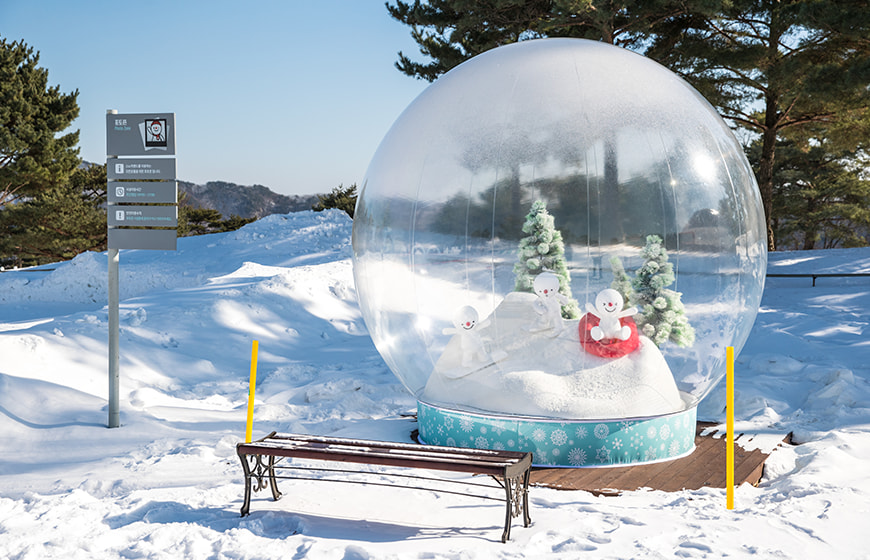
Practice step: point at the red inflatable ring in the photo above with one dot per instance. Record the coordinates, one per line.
(608, 347)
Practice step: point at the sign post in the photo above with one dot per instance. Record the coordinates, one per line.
(142, 208)
(114, 341)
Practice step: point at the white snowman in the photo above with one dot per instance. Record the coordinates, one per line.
(465, 325)
(549, 303)
(608, 309)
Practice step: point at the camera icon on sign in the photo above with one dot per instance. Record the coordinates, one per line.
(119, 191)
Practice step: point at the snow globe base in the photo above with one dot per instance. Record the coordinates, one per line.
(564, 443)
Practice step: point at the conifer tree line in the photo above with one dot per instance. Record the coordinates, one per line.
(792, 77)
(341, 197)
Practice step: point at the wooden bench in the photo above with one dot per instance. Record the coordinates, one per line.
(510, 469)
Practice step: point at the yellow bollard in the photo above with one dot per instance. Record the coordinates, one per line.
(729, 422)
(252, 384)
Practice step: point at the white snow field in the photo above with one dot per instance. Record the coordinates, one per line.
(167, 483)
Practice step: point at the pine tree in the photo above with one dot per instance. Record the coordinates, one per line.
(766, 65)
(341, 197)
(201, 221)
(450, 32)
(662, 315)
(57, 223)
(34, 154)
(771, 66)
(543, 249)
(621, 280)
(823, 196)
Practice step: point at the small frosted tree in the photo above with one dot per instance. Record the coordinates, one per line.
(621, 280)
(543, 249)
(662, 315)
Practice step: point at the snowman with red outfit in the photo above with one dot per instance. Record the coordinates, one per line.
(608, 309)
(607, 330)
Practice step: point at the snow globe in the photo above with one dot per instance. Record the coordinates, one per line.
(553, 246)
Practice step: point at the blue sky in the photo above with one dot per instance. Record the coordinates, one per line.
(293, 94)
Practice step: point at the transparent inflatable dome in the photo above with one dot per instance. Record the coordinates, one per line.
(566, 159)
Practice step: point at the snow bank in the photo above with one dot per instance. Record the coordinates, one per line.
(577, 385)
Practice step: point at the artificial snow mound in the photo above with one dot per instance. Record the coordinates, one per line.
(545, 373)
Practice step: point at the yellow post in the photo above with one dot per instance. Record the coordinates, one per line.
(252, 384)
(729, 409)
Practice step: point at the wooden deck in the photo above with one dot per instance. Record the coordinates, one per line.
(705, 467)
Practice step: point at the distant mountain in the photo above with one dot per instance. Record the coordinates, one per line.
(245, 201)
(254, 201)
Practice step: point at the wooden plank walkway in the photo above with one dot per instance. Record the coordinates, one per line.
(705, 467)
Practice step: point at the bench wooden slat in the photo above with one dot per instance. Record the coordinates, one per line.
(387, 457)
(464, 451)
(423, 451)
(360, 455)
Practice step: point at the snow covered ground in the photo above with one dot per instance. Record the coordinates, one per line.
(167, 484)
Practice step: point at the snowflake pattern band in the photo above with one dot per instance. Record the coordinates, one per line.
(564, 443)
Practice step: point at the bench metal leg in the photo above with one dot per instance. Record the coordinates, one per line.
(509, 503)
(273, 481)
(246, 504)
(516, 502)
(255, 468)
(527, 518)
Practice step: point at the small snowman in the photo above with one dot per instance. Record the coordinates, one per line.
(549, 303)
(465, 323)
(608, 309)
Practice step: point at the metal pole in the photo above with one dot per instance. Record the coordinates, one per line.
(252, 384)
(729, 423)
(114, 335)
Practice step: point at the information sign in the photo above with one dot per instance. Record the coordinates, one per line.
(140, 134)
(137, 169)
(151, 192)
(142, 208)
(157, 239)
(147, 216)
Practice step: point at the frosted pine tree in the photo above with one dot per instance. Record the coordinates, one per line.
(543, 249)
(621, 280)
(662, 315)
